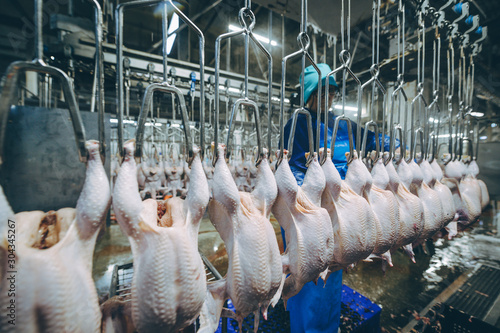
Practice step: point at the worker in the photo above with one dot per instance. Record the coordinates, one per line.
(316, 308)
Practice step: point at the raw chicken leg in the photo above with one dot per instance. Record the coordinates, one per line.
(55, 291)
(308, 228)
(353, 220)
(169, 283)
(254, 274)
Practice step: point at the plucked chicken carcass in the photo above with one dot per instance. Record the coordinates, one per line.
(353, 220)
(241, 173)
(169, 283)
(446, 198)
(473, 170)
(254, 274)
(55, 291)
(308, 228)
(174, 169)
(152, 178)
(444, 193)
(411, 175)
(411, 211)
(381, 196)
(382, 202)
(465, 191)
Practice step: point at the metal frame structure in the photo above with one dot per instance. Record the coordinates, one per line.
(38, 65)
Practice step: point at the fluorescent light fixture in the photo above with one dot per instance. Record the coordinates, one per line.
(125, 121)
(477, 114)
(287, 100)
(257, 36)
(234, 90)
(347, 108)
(156, 124)
(484, 137)
(446, 135)
(174, 25)
(433, 120)
(175, 125)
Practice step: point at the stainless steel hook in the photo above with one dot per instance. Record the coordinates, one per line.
(145, 107)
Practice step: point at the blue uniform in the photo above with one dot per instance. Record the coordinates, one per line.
(316, 308)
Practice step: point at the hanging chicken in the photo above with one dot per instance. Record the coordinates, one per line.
(411, 176)
(352, 219)
(169, 283)
(465, 191)
(411, 211)
(432, 176)
(54, 287)
(254, 273)
(381, 202)
(308, 228)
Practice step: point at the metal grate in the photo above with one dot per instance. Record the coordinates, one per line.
(478, 294)
(121, 281)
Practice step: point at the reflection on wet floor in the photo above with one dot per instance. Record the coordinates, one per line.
(403, 289)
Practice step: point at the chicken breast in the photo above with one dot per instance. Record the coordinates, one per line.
(254, 274)
(54, 287)
(169, 283)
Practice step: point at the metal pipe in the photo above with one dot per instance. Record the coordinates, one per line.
(164, 26)
(38, 29)
(100, 76)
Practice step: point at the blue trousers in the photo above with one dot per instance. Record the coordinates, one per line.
(316, 308)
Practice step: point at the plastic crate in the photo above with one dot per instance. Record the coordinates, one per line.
(358, 313)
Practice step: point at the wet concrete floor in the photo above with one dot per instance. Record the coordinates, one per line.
(403, 290)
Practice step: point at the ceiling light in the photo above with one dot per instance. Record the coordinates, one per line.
(234, 90)
(263, 39)
(477, 114)
(483, 137)
(494, 125)
(125, 121)
(174, 25)
(346, 108)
